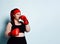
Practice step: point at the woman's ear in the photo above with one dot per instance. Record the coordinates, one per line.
(13, 15)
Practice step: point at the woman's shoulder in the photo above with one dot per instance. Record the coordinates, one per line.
(9, 23)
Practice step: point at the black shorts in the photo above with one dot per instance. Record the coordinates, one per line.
(17, 40)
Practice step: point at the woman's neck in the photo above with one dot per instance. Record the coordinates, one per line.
(16, 21)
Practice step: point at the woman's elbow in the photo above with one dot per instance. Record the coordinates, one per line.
(6, 34)
(27, 30)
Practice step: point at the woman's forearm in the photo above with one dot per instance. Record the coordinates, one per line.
(27, 28)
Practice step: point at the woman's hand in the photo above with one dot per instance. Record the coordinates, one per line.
(22, 17)
(14, 32)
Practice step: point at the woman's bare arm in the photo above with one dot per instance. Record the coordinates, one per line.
(27, 28)
(8, 29)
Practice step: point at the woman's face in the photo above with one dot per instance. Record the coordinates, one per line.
(17, 15)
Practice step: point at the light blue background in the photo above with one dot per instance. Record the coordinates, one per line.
(43, 15)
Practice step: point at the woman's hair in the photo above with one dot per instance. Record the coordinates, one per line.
(13, 12)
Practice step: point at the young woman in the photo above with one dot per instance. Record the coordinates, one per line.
(16, 27)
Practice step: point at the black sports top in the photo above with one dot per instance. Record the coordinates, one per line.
(21, 27)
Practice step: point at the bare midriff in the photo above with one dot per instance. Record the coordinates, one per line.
(20, 35)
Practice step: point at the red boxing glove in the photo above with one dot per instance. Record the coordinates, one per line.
(24, 19)
(14, 32)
